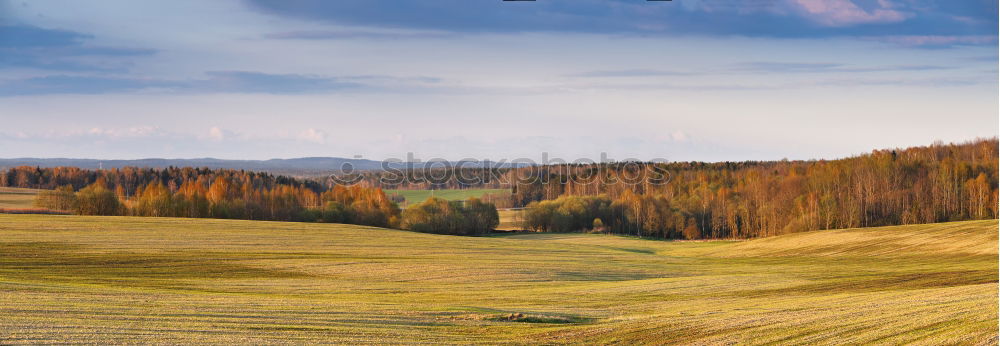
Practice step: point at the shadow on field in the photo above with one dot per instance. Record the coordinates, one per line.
(884, 282)
(72, 263)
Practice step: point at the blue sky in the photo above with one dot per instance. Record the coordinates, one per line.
(681, 80)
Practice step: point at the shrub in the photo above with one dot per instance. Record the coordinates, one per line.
(480, 217)
(435, 215)
(567, 213)
(96, 199)
(334, 212)
(597, 225)
(62, 198)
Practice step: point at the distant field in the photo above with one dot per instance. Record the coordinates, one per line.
(76, 279)
(511, 219)
(17, 198)
(417, 196)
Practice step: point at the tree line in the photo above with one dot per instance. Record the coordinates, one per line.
(935, 183)
(693, 200)
(232, 194)
(226, 198)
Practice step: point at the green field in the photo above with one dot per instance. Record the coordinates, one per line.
(17, 198)
(74, 279)
(417, 196)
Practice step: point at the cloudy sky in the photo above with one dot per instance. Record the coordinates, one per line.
(681, 80)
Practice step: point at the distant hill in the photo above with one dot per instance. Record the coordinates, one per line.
(295, 166)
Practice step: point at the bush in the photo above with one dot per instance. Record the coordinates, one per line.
(435, 215)
(481, 217)
(597, 225)
(308, 215)
(334, 212)
(62, 198)
(96, 199)
(567, 213)
(359, 205)
(692, 231)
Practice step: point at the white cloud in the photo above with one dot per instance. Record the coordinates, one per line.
(119, 132)
(215, 134)
(679, 136)
(313, 135)
(845, 12)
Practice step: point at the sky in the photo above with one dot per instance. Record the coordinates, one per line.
(705, 80)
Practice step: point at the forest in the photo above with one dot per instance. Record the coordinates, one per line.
(936, 183)
(696, 200)
(679, 200)
(232, 194)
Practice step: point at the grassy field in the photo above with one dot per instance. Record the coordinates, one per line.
(17, 198)
(417, 196)
(139, 280)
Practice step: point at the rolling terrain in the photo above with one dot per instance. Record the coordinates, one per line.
(168, 280)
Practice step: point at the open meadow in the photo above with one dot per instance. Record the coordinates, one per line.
(171, 280)
(17, 198)
(417, 196)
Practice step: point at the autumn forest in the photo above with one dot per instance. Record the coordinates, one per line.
(686, 200)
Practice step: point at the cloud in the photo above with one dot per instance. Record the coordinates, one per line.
(135, 131)
(247, 82)
(797, 67)
(344, 34)
(313, 136)
(845, 13)
(759, 18)
(97, 132)
(28, 46)
(679, 136)
(215, 134)
(984, 58)
(66, 84)
(257, 82)
(769, 66)
(921, 82)
(633, 73)
(937, 41)
(23, 36)
(216, 82)
(760, 67)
